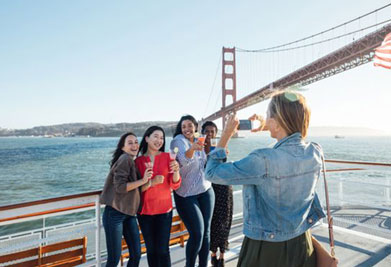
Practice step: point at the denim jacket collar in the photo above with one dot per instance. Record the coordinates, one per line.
(293, 137)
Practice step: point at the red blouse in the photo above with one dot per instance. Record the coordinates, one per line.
(157, 199)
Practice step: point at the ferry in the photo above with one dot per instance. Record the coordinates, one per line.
(362, 229)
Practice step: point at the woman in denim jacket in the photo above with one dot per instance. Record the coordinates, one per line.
(280, 204)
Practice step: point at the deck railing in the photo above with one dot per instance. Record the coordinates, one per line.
(43, 209)
(30, 212)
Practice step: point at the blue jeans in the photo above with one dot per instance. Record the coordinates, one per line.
(196, 212)
(156, 232)
(115, 224)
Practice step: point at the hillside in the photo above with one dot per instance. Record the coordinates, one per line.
(88, 129)
(114, 130)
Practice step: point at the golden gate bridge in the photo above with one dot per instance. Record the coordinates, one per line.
(351, 55)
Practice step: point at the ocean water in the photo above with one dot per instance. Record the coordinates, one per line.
(38, 168)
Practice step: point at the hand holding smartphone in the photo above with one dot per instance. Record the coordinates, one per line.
(245, 125)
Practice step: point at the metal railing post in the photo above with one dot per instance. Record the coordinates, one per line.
(44, 233)
(387, 192)
(97, 231)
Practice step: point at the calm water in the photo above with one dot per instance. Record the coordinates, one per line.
(36, 168)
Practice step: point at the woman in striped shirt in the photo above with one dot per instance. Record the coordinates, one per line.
(195, 198)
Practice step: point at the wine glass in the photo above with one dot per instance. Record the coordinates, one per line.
(201, 140)
(148, 165)
(173, 153)
(213, 144)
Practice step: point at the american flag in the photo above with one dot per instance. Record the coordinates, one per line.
(382, 56)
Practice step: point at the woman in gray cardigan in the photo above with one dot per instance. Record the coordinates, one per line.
(121, 194)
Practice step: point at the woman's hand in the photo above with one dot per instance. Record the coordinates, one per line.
(197, 146)
(231, 127)
(147, 175)
(261, 119)
(174, 166)
(159, 179)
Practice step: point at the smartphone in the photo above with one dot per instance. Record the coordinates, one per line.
(245, 125)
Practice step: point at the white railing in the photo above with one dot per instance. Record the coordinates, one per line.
(359, 204)
(13, 215)
(42, 209)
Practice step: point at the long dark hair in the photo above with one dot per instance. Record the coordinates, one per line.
(178, 129)
(118, 151)
(144, 146)
(206, 124)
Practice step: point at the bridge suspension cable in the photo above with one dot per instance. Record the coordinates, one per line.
(265, 50)
(213, 86)
(356, 53)
(320, 42)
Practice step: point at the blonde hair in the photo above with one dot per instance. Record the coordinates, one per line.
(291, 112)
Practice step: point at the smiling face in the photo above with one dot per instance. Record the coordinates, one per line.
(131, 145)
(188, 129)
(210, 132)
(155, 141)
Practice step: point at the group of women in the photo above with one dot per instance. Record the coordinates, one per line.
(279, 199)
(139, 186)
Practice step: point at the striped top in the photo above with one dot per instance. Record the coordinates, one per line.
(191, 170)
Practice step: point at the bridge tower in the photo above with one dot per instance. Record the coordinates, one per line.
(228, 78)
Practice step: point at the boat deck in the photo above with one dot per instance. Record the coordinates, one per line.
(362, 226)
(352, 248)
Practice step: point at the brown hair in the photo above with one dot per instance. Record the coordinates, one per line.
(118, 151)
(291, 112)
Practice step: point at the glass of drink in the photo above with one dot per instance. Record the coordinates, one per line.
(201, 140)
(213, 144)
(173, 153)
(148, 164)
(196, 135)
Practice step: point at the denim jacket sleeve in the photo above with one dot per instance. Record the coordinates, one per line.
(249, 170)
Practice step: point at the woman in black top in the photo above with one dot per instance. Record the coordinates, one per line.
(222, 215)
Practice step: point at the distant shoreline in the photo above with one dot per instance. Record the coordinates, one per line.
(90, 129)
(93, 129)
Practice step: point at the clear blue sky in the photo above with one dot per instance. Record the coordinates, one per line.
(128, 61)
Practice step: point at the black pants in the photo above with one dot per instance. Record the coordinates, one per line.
(196, 213)
(156, 232)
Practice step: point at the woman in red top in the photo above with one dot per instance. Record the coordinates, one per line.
(156, 211)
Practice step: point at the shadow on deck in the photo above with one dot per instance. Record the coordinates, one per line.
(352, 248)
